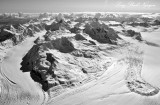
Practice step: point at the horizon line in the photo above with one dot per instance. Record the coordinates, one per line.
(79, 12)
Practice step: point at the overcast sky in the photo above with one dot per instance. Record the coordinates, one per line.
(36, 6)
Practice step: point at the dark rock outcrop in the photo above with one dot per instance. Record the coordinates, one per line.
(136, 35)
(101, 33)
(156, 22)
(79, 37)
(74, 30)
(63, 45)
(5, 35)
(143, 24)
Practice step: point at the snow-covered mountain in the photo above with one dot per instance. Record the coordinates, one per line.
(79, 59)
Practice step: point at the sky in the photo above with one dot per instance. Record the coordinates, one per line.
(39, 6)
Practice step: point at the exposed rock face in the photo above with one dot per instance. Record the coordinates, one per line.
(63, 45)
(144, 24)
(53, 27)
(101, 33)
(74, 30)
(34, 28)
(132, 33)
(11, 34)
(79, 37)
(57, 62)
(5, 35)
(156, 22)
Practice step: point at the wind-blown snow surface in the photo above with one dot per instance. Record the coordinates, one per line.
(83, 59)
(151, 69)
(17, 87)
